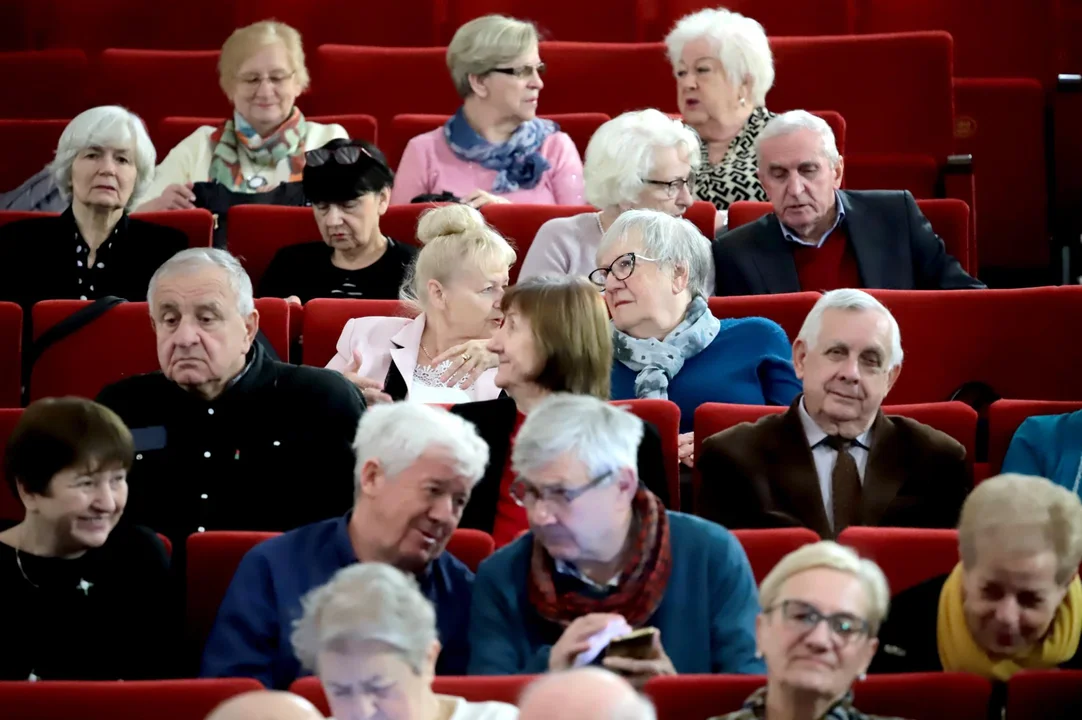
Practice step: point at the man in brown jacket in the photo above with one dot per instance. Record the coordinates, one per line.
(834, 459)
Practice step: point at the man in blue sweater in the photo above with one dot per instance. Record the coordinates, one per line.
(416, 466)
(604, 556)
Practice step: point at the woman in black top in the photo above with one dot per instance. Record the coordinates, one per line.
(82, 599)
(349, 185)
(104, 160)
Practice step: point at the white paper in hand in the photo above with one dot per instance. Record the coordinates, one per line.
(600, 640)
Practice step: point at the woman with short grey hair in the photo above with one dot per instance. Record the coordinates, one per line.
(641, 159)
(370, 636)
(494, 149)
(104, 160)
(657, 272)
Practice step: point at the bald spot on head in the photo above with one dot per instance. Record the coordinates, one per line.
(583, 694)
(266, 705)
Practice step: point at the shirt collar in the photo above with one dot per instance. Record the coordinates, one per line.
(839, 216)
(816, 435)
(566, 568)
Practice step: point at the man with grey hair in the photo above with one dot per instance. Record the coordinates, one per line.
(602, 557)
(416, 467)
(834, 459)
(584, 694)
(227, 438)
(820, 237)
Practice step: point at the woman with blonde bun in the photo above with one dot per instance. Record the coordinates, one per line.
(454, 286)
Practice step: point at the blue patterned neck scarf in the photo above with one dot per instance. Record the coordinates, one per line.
(518, 163)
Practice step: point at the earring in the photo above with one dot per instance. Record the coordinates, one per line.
(758, 654)
(862, 677)
(743, 102)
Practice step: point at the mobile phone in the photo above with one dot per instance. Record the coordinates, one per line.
(636, 645)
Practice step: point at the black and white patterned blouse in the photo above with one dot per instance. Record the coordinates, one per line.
(755, 709)
(734, 178)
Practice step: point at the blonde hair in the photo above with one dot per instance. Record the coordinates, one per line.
(1022, 513)
(247, 41)
(831, 555)
(452, 236)
(484, 43)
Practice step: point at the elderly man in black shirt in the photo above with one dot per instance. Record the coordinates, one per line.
(226, 438)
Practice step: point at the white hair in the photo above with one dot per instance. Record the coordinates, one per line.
(195, 259)
(633, 707)
(740, 43)
(603, 437)
(829, 554)
(397, 434)
(621, 155)
(599, 692)
(106, 126)
(370, 602)
(793, 121)
(672, 242)
(855, 301)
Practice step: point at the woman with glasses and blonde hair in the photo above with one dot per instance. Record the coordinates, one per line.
(657, 272)
(494, 149)
(262, 72)
(822, 607)
(641, 159)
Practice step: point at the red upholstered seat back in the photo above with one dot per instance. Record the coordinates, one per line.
(765, 548)
(907, 556)
(325, 318)
(778, 17)
(33, 77)
(520, 223)
(471, 546)
(786, 309)
(11, 507)
(258, 232)
(34, 150)
(416, 22)
(1045, 695)
(1004, 417)
(11, 341)
(197, 224)
(665, 416)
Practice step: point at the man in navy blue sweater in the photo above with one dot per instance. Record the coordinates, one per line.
(416, 466)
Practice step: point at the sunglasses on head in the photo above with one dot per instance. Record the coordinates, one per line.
(344, 155)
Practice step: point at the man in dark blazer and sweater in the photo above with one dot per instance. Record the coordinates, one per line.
(822, 238)
(834, 459)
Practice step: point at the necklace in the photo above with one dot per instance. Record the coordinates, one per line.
(599, 225)
(427, 354)
(19, 562)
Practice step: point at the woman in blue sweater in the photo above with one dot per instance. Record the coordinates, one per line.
(1048, 446)
(657, 273)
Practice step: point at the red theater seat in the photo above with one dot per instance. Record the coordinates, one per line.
(520, 223)
(572, 85)
(699, 697)
(778, 17)
(197, 224)
(471, 546)
(786, 309)
(495, 688)
(44, 84)
(907, 556)
(1004, 417)
(324, 320)
(665, 416)
(37, 140)
(11, 507)
(158, 83)
(171, 130)
(413, 23)
(11, 341)
(765, 548)
(606, 21)
(131, 700)
(1045, 695)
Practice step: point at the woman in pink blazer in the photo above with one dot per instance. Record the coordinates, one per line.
(494, 149)
(440, 356)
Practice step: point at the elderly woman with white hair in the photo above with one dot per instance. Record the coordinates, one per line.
(822, 607)
(494, 149)
(1013, 603)
(657, 272)
(641, 159)
(724, 69)
(104, 161)
(370, 636)
(262, 72)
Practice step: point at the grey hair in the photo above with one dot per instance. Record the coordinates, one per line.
(365, 602)
(793, 121)
(740, 43)
(855, 301)
(633, 707)
(603, 436)
(194, 259)
(485, 43)
(106, 126)
(397, 434)
(829, 554)
(620, 155)
(671, 241)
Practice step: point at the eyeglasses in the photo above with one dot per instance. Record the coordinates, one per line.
(805, 618)
(621, 269)
(252, 81)
(343, 155)
(522, 71)
(526, 495)
(672, 187)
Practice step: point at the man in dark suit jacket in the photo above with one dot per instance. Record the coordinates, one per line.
(822, 238)
(834, 459)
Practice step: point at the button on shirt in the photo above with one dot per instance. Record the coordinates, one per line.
(825, 457)
(791, 236)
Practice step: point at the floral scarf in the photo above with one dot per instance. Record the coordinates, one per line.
(658, 361)
(235, 139)
(518, 163)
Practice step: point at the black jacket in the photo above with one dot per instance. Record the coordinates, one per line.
(894, 245)
(495, 421)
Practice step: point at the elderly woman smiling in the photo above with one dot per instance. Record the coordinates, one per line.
(370, 636)
(822, 606)
(724, 69)
(261, 71)
(657, 273)
(1013, 603)
(640, 159)
(495, 148)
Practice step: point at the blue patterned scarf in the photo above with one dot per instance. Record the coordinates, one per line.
(518, 163)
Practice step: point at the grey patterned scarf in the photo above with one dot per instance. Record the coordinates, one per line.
(658, 361)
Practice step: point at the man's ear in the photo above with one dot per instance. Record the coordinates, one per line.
(251, 327)
(433, 654)
(839, 172)
(800, 353)
(892, 376)
(371, 479)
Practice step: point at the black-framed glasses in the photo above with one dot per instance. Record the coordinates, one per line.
(342, 155)
(621, 268)
(805, 617)
(672, 187)
(522, 71)
(526, 495)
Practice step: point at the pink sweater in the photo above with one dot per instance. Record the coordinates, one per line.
(429, 166)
